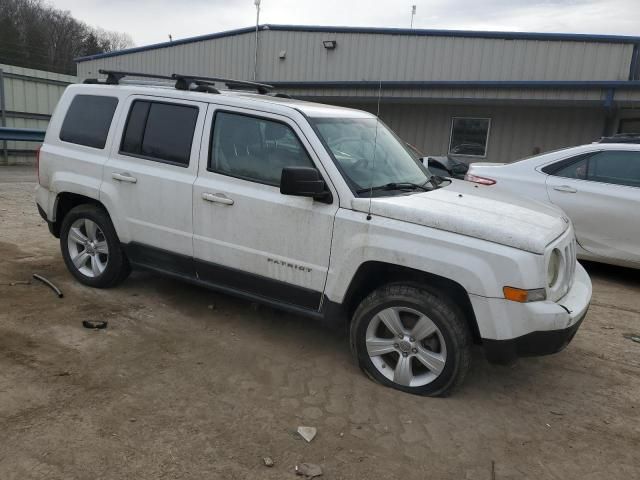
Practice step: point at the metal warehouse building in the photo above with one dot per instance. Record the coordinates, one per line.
(480, 95)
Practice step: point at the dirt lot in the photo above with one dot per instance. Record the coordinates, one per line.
(189, 384)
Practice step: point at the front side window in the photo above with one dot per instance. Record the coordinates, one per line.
(88, 120)
(369, 154)
(469, 136)
(160, 131)
(253, 148)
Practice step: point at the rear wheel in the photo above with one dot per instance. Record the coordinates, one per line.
(413, 339)
(91, 249)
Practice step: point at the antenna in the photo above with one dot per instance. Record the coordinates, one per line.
(413, 14)
(255, 58)
(375, 148)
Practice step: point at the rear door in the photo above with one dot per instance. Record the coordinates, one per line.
(149, 177)
(600, 191)
(247, 235)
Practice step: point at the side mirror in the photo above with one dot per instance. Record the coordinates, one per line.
(304, 182)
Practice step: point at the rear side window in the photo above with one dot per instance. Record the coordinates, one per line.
(616, 167)
(160, 131)
(88, 120)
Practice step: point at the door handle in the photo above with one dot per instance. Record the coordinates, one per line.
(217, 198)
(123, 177)
(565, 189)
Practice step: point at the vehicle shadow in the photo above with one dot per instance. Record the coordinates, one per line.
(612, 273)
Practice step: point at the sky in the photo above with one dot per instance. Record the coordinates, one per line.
(151, 21)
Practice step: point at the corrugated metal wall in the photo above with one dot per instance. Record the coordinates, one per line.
(30, 97)
(366, 56)
(400, 57)
(515, 131)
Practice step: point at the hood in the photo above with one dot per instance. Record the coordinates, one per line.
(476, 211)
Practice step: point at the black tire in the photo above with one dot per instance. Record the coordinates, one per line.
(441, 311)
(117, 268)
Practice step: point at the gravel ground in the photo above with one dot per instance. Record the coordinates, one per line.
(188, 384)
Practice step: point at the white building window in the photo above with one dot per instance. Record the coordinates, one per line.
(469, 136)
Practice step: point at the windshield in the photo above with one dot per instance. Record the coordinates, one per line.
(369, 161)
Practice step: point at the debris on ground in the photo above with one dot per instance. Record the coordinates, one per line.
(309, 470)
(607, 327)
(20, 282)
(95, 324)
(268, 461)
(211, 306)
(49, 284)
(308, 433)
(634, 337)
(555, 412)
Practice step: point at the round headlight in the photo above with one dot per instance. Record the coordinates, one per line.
(553, 269)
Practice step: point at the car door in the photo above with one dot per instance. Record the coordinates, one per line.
(247, 235)
(600, 191)
(148, 179)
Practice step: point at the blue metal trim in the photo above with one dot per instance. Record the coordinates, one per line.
(558, 84)
(579, 37)
(22, 134)
(608, 101)
(575, 37)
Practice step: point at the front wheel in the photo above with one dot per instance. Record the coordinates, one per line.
(91, 249)
(412, 339)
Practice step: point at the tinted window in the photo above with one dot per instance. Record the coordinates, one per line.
(620, 168)
(160, 131)
(469, 136)
(573, 169)
(132, 138)
(254, 148)
(88, 120)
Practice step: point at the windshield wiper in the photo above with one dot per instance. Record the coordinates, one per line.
(396, 186)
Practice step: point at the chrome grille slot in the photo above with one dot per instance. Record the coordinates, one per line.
(567, 247)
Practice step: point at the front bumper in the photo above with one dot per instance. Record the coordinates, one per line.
(530, 345)
(513, 330)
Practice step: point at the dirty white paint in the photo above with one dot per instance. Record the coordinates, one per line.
(475, 212)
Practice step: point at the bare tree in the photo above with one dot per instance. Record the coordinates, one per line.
(37, 35)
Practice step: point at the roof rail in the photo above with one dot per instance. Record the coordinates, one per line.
(184, 82)
(621, 138)
(229, 82)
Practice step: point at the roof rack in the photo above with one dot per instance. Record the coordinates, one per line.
(621, 138)
(184, 82)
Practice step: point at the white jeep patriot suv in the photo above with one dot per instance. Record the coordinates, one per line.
(314, 209)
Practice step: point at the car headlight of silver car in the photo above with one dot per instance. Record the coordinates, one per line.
(553, 267)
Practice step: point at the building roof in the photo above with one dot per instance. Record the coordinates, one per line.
(577, 37)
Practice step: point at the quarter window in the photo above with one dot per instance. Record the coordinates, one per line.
(88, 120)
(469, 136)
(254, 148)
(160, 131)
(575, 169)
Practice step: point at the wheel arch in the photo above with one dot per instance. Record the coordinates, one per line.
(373, 274)
(64, 202)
